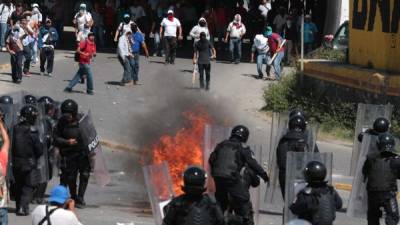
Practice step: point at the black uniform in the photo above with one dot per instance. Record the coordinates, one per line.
(27, 149)
(317, 203)
(227, 161)
(75, 159)
(382, 170)
(293, 141)
(193, 210)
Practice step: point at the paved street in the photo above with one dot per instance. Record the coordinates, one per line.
(137, 116)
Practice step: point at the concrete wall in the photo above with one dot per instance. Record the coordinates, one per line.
(374, 34)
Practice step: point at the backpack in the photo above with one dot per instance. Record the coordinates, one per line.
(325, 213)
(198, 213)
(225, 162)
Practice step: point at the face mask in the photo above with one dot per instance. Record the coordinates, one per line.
(170, 17)
(202, 23)
(127, 20)
(15, 34)
(82, 11)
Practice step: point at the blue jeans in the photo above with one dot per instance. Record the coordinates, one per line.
(262, 59)
(277, 65)
(84, 69)
(131, 69)
(34, 51)
(3, 216)
(235, 48)
(3, 32)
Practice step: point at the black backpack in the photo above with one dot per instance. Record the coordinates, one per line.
(199, 213)
(225, 160)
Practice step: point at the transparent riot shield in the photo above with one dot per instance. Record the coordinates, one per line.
(366, 115)
(159, 188)
(295, 181)
(358, 201)
(213, 135)
(91, 140)
(42, 161)
(279, 127)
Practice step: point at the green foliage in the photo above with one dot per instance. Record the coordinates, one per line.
(330, 54)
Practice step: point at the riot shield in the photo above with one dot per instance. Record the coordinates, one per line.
(358, 200)
(295, 181)
(279, 127)
(43, 161)
(159, 188)
(91, 141)
(366, 115)
(213, 135)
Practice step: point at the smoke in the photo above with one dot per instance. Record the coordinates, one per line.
(170, 95)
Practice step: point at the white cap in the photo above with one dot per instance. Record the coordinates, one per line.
(170, 11)
(83, 5)
(35, 5)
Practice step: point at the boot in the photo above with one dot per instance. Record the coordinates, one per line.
(207, 86)
(80, 201)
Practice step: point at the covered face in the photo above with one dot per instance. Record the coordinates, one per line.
(237, 18)
(202, 22)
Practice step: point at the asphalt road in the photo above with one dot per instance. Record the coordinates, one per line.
(137, 116)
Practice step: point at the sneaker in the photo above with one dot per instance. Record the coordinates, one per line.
(90, 92)
(80, 203)
(49, 74)
(67, 89)
(27, 74)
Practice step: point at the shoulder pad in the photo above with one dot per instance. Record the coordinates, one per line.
(307, 190)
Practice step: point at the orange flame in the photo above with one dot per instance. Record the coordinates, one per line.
(183, 149)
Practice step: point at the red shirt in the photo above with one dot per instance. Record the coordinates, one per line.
(273, 41)
(89, 48)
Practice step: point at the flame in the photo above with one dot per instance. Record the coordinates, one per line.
(184, 148)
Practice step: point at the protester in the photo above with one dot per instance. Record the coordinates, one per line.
(280, 21)
(3, 171)
(6, 9)
(125, 53)
(35, 22)
(86, 51)
(201, 57)
(236, 30)
(83, 22)
(59, 211)
(15, 48)
(260, 46)
(123, 27)
(310, 31)
(48, 38)
(16, 15)
(136, 42)
(27, 41)
(201, 27)
(170, 26)
(264, 8)
(275, 45)
(98, 26)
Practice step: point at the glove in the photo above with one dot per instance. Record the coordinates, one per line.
(265, 177)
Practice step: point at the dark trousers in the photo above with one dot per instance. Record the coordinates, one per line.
(16, 66)
(46, 55)
(69, 174)
(170, 44)
(234, 195)
(40, 191)
(23, 188)
(282, 180)
(28, 58)
(204, 69)
(386, 200)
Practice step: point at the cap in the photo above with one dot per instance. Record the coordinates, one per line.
(126, 15)
(268, 31)
(35, 5)
(202, 19)
(59, 194)
(170, 11)
(83, 5)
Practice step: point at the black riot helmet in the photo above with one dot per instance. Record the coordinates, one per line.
(6, 99)
(297, 123)
(241, 132)
(69, 106)
(47, 102)
(297, 112)
(194, 180)
(30, 99)
(315, 172)
(29, 114)
(386, 143)
(381, 125)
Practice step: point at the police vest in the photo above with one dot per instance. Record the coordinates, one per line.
(325, 214)
(226, 164)
(381, 176)
(199, 213)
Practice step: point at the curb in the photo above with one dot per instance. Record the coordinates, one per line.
(342, 186)
(5, 66)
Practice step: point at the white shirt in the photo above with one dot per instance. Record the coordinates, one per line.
(5, 12)
(261, 44)
(123, 46)
(36, 16)
(81, 20)
(265, 9)
(170, 27)
(137, 12)
(197, 30)
(235, 32)
(59, 217)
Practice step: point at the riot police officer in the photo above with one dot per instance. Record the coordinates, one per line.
(297, 112)
(318, 201)
(75, 159)
(295, 140)
(30, 99)
(381, 125)
(380, 170)
(193, 207)
(226, 161)
(49, 126)
(6, 99)
(27, 149)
